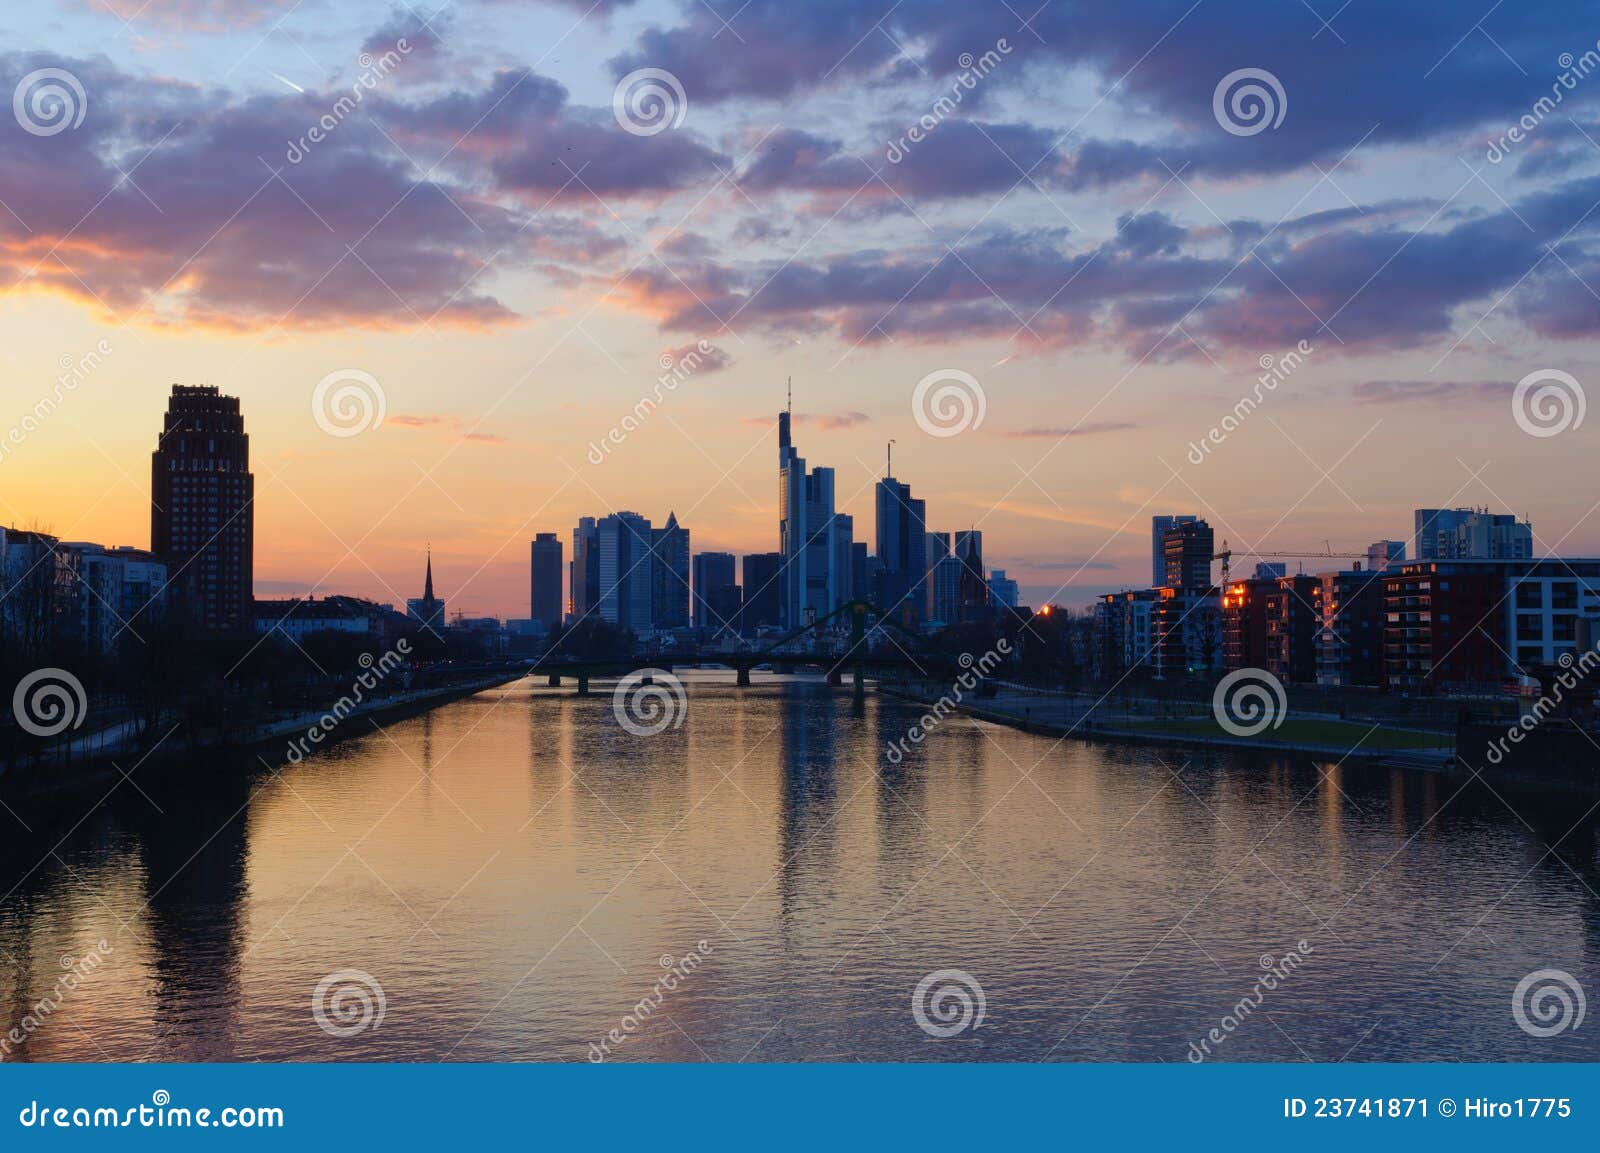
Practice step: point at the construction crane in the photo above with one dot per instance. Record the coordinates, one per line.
(1327, 553)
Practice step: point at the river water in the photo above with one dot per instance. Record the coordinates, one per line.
(523, 879)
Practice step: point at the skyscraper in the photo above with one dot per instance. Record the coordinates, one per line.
(902, 550)
(815, 566)
(1188, 548)
(1471, 534)
(935, 548)
(545, 580)
(669, 575)
(713, 577)
(1002, 589)
(974, 589)
(1159, 527)
(625, 570)
(202, 513)
(584, 583)
(762, 572)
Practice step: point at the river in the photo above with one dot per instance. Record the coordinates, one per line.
(514, 876)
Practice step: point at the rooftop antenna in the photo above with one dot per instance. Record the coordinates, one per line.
(889, 470)
(791, 396)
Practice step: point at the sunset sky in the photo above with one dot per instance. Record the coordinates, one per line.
(1085, 233)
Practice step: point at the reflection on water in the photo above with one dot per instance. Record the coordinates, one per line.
(518, 874)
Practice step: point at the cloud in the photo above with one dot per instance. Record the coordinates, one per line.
(173, 205)
(1428, 391)
(700, 360)
(1090, 428)
(453, 425)
(194, 15)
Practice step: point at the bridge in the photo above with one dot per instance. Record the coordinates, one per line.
(853, 655)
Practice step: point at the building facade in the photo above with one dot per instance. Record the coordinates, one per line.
(202, 510)
(761, 605)
(669, 575)
(713, 577)
(545, 603)
(626, 586)
(1471, 534)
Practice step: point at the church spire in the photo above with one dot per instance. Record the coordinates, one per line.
(427, 584)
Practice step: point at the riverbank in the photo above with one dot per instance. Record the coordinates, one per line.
(1084, 718)
(269, 743)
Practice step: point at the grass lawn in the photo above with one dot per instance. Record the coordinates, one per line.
(1328, 734)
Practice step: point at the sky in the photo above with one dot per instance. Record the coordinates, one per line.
(1299, 268)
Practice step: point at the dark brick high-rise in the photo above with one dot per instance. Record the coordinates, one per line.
(202, 513)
